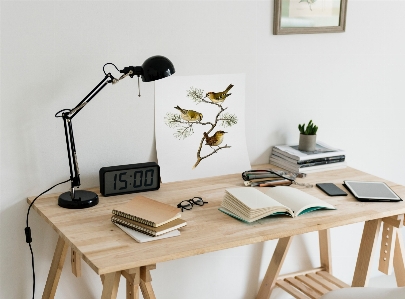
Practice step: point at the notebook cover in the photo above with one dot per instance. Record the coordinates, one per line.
(148, 211)
(141, 238)
(155, 231)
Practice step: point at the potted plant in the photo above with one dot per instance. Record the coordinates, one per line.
(307, 137)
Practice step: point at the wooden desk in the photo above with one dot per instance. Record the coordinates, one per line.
(111, 253)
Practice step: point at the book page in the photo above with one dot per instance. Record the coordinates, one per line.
(252, 198)
(242, 218)
(297, 200)
(141, 238)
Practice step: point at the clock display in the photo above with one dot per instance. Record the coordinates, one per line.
(131, 178)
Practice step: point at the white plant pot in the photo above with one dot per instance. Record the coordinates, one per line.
(307, 143)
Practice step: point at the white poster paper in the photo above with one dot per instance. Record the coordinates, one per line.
(200, 126)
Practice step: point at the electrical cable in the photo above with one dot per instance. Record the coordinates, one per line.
(28, 237)
(108, 64)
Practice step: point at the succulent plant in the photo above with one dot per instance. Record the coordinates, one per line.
(310, 130)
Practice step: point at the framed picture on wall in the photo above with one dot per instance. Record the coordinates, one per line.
(309, 16)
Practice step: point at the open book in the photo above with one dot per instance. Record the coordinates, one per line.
(250, 204)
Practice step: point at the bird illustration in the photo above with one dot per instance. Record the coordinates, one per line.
(310, 2)
(214, 140)
(189, 115)
(219, 97)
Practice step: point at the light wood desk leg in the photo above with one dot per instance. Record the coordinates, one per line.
(367, 247)
(325, 250)
(110, 285)
(399, 263)
(274, 268)
(56, 269)
(389, 235)
(145, 283)
(133, 279)
(76, 262)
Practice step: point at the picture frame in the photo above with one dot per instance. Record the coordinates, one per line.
(309, 16)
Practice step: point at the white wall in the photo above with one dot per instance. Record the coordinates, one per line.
(52, 52)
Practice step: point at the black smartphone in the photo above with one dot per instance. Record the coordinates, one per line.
(331, 189)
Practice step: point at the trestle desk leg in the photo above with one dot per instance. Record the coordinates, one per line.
(75, 261)
(56, 269)
(325, 250)
(367, 247)
(274, 268)
(145, 283)
(399, 263)
(388, 237)
(110, 285)
(133, 279)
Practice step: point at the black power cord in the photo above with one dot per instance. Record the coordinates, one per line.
(28, 237)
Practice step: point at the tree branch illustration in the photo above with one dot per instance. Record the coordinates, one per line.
(184, 128)
(199, 158)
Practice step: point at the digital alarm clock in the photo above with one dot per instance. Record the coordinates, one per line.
(132, 178)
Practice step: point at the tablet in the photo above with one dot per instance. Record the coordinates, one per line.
(371, 191)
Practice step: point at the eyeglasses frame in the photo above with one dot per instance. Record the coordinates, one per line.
(191, 203)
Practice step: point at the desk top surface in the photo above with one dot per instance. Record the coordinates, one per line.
(106, 248)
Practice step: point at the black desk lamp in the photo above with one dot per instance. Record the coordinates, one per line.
(154, 68)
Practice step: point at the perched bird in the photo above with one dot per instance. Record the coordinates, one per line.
(310, 2)
(214, 140)
(189, 115)
(219, 97)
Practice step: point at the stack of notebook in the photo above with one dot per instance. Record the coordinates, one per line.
(323, 158)
(146, 219)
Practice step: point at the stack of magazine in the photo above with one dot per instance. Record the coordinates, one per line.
(323, 158)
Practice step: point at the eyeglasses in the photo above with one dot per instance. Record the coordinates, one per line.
(286, 178)
(189, 203)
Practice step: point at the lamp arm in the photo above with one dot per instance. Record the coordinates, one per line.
(154, 68)
(67, 116)
(107, 79)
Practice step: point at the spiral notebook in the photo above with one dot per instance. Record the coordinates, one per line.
(148, 211)
(142, 238)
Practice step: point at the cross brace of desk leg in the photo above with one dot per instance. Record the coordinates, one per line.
(136, 278)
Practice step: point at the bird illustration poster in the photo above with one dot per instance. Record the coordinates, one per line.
(200, 126)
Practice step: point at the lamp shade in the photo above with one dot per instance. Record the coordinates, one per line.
(157, 67)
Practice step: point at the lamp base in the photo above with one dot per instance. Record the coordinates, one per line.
(83, 199)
